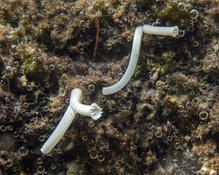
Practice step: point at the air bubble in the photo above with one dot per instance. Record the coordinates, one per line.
(158, 134)
(181, 33)
(210, 50)
(181, 6)
(81, 51)
(102, 31)
(29, 87)
(91, 88)
(180, 108)
(109, 46)
(129, 39)
(51, 67)
(45, 109)
(172, 54)
(47, 85)
(42, 138)
(203, 115)
(15, 134)
(55, 26)
(91, 124)
(83, 22)
(23, 151)
(195, 101)
(190, 29)
(177, 145)
(188, 6)
(39, 161)
(3, 128)
(148, 13)
(194, 14)
(41, 169)
(84, 138)
(25, 104)
(191, 38)
(189, 105)
(53, 166)
(100, 158)
(93, 155)
(195, 43)
(158, 21)
(9, 71)
(16, 63)
(206, 27)
(168, 23)
(10, 128)
(34, 17)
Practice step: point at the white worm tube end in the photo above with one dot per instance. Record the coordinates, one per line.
(59, 131)
(105, 91)
(45, 150)
(95, 111)
(161, 30)
(175, 31)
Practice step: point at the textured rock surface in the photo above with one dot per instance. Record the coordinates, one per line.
(165, 121)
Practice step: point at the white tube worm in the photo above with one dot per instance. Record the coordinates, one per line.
(59, 131)
(131, 67)
(167, 31)
(93, 111)
(161, 30)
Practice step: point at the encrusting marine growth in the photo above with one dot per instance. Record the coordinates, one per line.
(75, 106)
(167, 31)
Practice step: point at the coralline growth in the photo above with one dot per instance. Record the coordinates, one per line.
(164, 121)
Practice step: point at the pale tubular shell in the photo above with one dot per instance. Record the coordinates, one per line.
(75, 107)
(161, 30)
(131, 67)
(59, 131)
(93, 110)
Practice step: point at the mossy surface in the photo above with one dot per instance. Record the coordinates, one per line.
(34, 70)
(164, 121)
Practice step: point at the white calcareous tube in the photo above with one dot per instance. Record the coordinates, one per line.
(161, 30)
(150, 29)
(93, 110)
(75, 106)
(131, 67)
(59, 131)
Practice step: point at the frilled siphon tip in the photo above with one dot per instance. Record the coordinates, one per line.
(96, 111)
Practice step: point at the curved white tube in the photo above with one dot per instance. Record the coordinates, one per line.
(59, 131)
(157, 30)
(93, 110)
(131, 67)
(74, 107)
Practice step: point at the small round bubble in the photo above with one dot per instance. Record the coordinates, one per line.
(194, 14)
(181, 6)
(51, 67)
(203, 115)
(195, 43)
(181, 33)
(29, 87)
(23, 151)
(3, 128)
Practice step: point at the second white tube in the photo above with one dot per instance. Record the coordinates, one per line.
(131, 67)
(161, 30)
